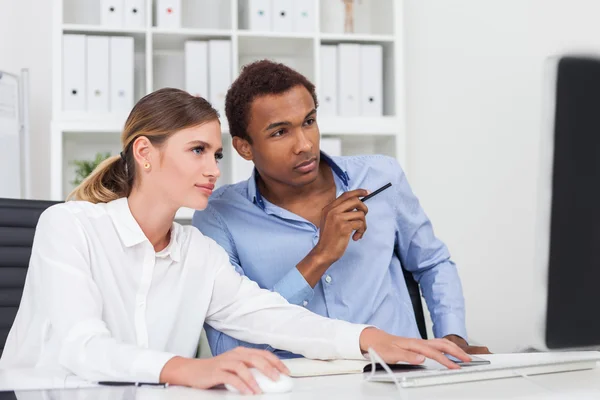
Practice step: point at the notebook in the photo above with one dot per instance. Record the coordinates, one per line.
(304, 367)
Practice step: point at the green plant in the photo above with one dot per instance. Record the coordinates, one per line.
(85, 167)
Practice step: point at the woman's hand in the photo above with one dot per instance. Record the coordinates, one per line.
(393, 349)
(232, 367)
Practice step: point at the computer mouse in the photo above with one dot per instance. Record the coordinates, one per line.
(266, 385)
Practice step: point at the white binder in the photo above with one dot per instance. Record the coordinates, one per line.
(282, 15)
(73, 79)
(371, 80)
(256, 15)
(97, 73)
(196, 68)
(121, 74)
(168, 14)
(331, 146)
(219, 68)
(349, 79)
(111, 13)
(303, 15)
(135, 13)
(328, 93)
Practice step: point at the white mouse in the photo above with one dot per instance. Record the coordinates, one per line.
(266, 385)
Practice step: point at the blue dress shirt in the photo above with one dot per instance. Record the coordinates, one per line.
(366, 285)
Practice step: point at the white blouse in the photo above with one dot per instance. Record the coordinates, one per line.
(102, 304)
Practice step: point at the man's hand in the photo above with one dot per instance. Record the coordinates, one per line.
(462, 343)
(340, 219)
(393, 349)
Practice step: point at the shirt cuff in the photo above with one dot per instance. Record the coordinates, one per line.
(149, 364)
(347, 341)
(450, 325)
(294, 288)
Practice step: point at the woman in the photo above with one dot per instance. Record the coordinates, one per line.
(117, 291)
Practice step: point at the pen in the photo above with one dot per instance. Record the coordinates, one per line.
(138, 384)
(381, 189)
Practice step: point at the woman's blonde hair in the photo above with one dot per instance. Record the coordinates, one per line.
(157, 116)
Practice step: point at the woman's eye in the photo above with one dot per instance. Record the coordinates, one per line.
(218, 156)
(198, 150)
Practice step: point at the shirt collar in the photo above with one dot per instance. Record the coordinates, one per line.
(255, 196)
(130, 232)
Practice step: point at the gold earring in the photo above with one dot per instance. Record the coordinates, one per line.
(147, 165)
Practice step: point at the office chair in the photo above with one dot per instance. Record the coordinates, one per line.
(415, 298)
(18, 219)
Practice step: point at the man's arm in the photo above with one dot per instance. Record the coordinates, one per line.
(423, 254)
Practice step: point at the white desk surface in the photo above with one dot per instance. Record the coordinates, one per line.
(569, 385)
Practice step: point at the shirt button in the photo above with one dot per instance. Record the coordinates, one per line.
(305, 303)
(328, 279)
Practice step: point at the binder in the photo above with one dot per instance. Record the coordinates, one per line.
(328, 92)
(168, 14)
(219, 68)
(282, 15)
(348, 79)
(331, 146)
(303, 15)
(97, 50)
(112, 13)
(371, 80)
(73, 79)
(256, 15)
(196, 68)
(121, 74)
(135, 13)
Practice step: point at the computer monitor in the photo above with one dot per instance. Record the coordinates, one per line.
(567, 265)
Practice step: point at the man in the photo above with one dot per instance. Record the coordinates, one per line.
(298, 226)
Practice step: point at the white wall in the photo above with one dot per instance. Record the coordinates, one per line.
(25, 42)
(474, 85)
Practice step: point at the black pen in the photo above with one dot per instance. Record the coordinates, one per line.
(381, 189)
(138, 384)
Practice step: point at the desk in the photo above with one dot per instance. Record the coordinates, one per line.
(569, 385)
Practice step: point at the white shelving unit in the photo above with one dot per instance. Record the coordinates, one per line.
(159, 52)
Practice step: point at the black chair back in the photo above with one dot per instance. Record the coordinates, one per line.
(18, 219)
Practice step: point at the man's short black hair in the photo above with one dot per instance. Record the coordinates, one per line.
(257, 79)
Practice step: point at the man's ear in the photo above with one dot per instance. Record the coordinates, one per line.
(243, 148)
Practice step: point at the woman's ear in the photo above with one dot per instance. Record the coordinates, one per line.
(243, 148)
(142, 151)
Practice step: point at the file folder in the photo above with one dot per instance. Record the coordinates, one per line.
(303, 15)
(371, 80)
(97, 73)
(256, 15)
(74, 69)
(196, 68)
(328, 92)
(168, 14)
(121, 74)
(112, 14)
(219, 68)
(348, 79)
(282, 15)
(135, 13)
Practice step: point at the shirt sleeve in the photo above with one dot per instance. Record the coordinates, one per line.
(423, 254)
(60, 272)
(293, 287)
(240, 309)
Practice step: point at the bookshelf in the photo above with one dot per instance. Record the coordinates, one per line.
(160, 51)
